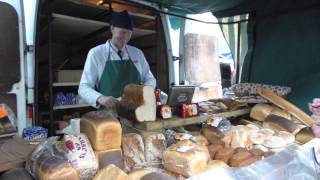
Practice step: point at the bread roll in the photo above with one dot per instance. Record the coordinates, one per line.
(111, 172)
(288, 137)
(224, 154)
(266, 132)
(133, 151)
(103, 130)
(260, 111)
(193, 160)
(275, 142)
(252, 128)
(305, 135)
(257, 138)
(278, 123)
(113, 156)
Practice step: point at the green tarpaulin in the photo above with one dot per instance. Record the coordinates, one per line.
(283, 41)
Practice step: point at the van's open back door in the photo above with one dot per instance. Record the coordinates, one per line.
(12, 61)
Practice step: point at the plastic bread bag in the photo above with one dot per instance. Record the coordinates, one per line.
(45, 147)
(81, 155)
(295, 162)
(8, 120)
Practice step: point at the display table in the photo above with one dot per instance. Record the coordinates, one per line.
(178, 122)
(13, 153)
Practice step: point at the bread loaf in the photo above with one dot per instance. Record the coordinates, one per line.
(111, 172)
(157, 176)
(154, 145)
(240, 149)
(305, 135)
(260, 111)
(54, 168)
(81, 155)
(212, 134)
(103, 130)
(278, 123)
(240, 139)
(227, 139)
(201, 140)
(213, 149)
(186, 160)
(113, 156)
(239, 157)
(133, 151)
(246, 162)
(282, 113)
(138, 103)
(138, 174)
(224, 154)
(256, 152)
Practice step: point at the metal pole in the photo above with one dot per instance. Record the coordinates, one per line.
(50, 76)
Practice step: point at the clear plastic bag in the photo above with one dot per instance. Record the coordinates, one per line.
(8, 120)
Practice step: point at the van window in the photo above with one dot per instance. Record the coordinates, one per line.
(9, 48)
(9, 54)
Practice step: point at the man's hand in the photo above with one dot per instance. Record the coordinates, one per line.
(108, 102)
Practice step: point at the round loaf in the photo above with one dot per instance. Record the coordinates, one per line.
(288, 137)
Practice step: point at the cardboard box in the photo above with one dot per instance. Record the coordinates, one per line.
(68, 75)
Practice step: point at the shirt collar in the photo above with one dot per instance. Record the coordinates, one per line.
(114, 47)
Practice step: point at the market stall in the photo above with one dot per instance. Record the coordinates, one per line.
(270, 135)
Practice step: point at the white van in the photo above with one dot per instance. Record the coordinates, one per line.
(43, 54)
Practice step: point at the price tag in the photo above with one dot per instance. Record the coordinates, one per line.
(216, 121)
(184, 149)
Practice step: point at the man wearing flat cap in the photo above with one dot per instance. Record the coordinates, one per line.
(111, 66)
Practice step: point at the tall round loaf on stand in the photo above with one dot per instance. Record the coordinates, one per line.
(103, 130)
(138, 103)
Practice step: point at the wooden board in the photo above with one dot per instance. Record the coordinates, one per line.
(284, 104)
(13, 153)
(177, 122)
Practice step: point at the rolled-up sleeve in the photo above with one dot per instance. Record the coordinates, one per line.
(89, 79)
(147, 76)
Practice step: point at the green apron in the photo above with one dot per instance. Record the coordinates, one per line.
(116, 75)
